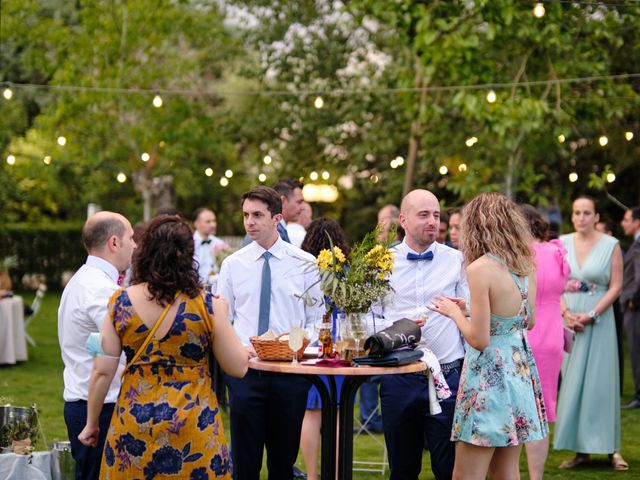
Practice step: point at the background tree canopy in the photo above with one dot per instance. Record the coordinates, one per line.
(239, 82)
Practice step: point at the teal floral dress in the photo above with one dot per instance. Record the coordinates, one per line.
(166, 423)
(499, 401)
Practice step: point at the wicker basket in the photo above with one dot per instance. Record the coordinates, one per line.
(277, 350)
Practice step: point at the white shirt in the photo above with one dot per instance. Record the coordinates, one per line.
(203, 254)
(293, 271)
(416, 283)
(296, 233)
(83, 308)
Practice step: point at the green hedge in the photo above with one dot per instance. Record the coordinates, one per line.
(48, 249)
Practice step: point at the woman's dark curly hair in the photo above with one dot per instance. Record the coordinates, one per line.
(538, 226)
(164, 260)
(316, 238)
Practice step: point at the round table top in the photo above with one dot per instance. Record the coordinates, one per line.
(307, 367)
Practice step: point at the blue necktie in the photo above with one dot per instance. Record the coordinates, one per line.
(265, 295)
(282, 231)
(422, 256)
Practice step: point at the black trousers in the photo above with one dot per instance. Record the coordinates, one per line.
(87, 459)
(407, 422)
(632, 326)
(266, 410)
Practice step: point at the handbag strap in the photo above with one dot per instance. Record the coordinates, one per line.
(152, 332)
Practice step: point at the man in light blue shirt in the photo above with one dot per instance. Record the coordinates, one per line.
(263, 283)
(423, 268)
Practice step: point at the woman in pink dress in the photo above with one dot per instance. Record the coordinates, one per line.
(547, 337)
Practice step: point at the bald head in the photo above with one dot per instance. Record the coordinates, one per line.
(420, 218)
(109, 235)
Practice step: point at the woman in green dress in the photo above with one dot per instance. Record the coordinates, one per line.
(588, 414)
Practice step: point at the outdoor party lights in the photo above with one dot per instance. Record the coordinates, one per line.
(325, 175)
(399, 161)
(611, 177)
(313, 192)
(62, 141)
(628, 136)
(313, 176)
(208, 171)
(491, 96)
(11, 160)
(121, 177)
(267, 159)
(471, 141)
(393, 163)
(7, 93)
(228, 174)
(262, 177)
(157, 101)
(47, 160)
(443, 170)
(538, 10)
(374, 178)
(145, 157)
(573, 177)
(224, 181)
(561, 138)
(603, 140)
(318, 102)
(462, 167)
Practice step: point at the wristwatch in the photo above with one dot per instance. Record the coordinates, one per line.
(594, 316)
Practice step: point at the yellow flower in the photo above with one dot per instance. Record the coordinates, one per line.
(339, 255)
(325, 260)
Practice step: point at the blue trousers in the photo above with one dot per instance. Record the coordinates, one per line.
(407, 421)
(368, 405)
(266, 410)
(88, 459)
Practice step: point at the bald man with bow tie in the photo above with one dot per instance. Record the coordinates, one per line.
(423, 269)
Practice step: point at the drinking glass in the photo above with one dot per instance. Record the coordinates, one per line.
(357, 325)
(296, 338)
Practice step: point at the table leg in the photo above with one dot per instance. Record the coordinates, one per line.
(329, 423)
(345, 434)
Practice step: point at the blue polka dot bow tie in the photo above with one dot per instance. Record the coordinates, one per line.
(422, 256)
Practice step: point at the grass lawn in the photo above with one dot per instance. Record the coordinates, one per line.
(39, 381)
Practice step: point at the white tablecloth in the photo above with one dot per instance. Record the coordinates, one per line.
(13, 345)
(36, 466)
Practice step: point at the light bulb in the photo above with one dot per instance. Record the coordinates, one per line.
(628, 136)
(121, 177)
(208, 171)
(471, 141)
(7, 93)
(318, 102)
(393, 163)
(228, 173)
(462, 167)
(603, 140)
(325, 175)
(538, 10)
(267, 159)
(399, 161)
(145, 157)
(224, 181)
(313, 176)
(62, 141)
(374, 178)
(561, 138)
(157, 101)
(443, 170)
(611, 177)
(262, 177)
(491, 96)
(11, 160)
(573, 177)
(47, 160)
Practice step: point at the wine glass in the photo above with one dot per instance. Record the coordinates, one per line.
(296, 338)
(357, 329)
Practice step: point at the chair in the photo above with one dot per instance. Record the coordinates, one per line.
(35, 308)
(361, 428)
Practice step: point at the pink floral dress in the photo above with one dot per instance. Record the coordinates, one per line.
(499, 400)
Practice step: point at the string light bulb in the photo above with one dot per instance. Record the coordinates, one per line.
(313, 176)
(262, 177)
(628, 136)
(374, 178)
(443, 170)
(157, 101)
(603, 140)
(11, 160)
(228, 173)
(462, 167)
(224, 181)
(121, 177)
(399, 161)
(267, 159)
(491, 96)
(145, 157)
(573, 177)
(325, 175)
(62, 141)
(318, 102)
(47, 160)
(393, 163)
(611, 177)
(471, 141)
(539, 10)
(7, 93)
(561, 138)
(208, 171)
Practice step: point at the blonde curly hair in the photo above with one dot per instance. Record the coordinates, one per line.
(491, 223)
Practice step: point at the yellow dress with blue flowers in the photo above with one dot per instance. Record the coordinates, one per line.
(166, 423)
(499, 401)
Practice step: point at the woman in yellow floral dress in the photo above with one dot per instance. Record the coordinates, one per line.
(166, 421)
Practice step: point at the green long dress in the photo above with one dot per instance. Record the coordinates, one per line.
(588, 418)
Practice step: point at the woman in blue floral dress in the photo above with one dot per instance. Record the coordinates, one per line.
(499, 405)
(166, 422)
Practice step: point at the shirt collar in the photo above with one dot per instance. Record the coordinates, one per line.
(197, 238)
(407, 248)
(106, 267)
(277, 249)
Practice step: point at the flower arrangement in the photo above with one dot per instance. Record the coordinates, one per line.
(354, 283)
(575, 285)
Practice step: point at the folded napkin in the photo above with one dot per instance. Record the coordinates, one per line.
(390, 359)
(332, 362)
(438, 387)
(402, 333)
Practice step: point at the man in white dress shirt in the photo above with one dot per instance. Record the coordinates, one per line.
(108, 238)
(423, 269)
(263, 283)
(206, 244)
